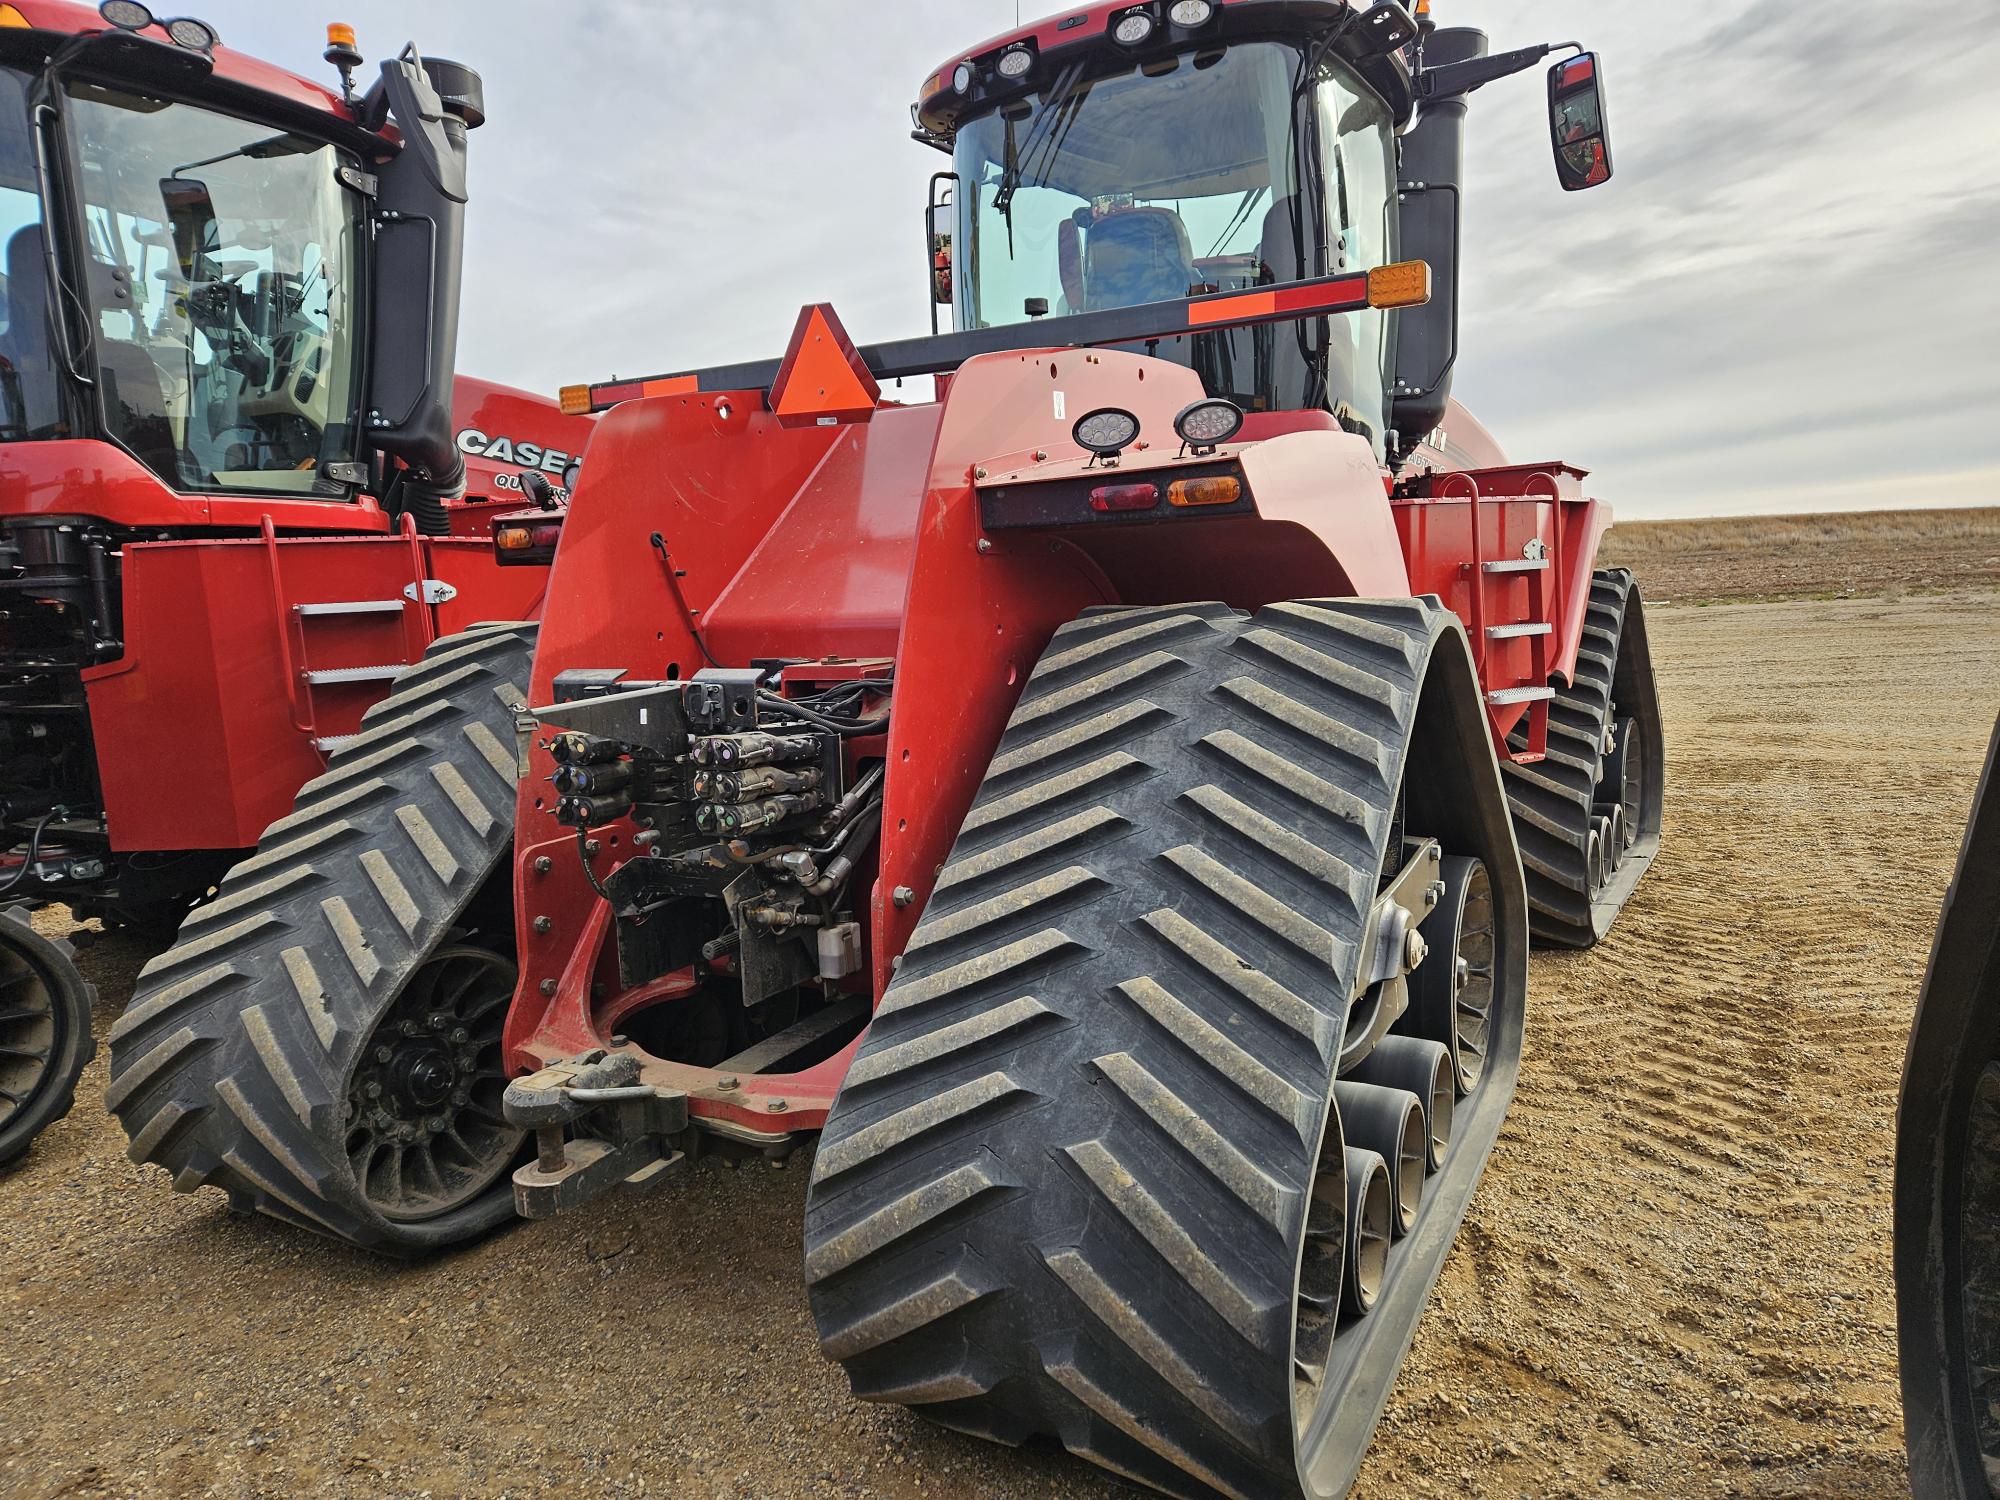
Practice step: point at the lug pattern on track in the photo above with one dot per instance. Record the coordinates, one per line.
(229, 1066)
(1551, 799)
(1063, 1188)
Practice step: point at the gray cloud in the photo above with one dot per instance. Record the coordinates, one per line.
(1780, 301)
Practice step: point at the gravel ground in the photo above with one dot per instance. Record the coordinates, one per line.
(1673, 1280)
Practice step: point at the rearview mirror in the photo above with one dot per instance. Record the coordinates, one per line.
(939, 215)
(1577, 128)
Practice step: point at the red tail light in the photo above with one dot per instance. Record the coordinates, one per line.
(1124, 497)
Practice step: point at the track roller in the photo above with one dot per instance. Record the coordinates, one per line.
(1422, 1069)
(323, 1042)
(1390, 1123)
(1091, 1174)
(1452, 990)
(1605, 749)
(45, 1040)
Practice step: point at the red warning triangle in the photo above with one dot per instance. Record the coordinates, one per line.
(822, 379)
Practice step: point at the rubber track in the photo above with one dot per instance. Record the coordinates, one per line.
(228, 1067)
(57, 1092)
(1062, 1190)
(1551, 799)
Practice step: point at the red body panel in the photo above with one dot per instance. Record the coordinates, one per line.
(205, 726)
(866, 539)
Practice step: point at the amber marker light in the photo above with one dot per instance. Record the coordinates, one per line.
(1407, 283)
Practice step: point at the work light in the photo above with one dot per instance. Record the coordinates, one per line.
(1202, 424)
(1015, 62)
(1132, 28)
(961, 78)
(1191, 13)
(1106, 432)
(126, 15)
(196, 36)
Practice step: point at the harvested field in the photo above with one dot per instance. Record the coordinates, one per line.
(1674, 1279)
(1824, 556)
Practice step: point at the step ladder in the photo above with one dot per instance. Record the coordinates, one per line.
(1489, 594)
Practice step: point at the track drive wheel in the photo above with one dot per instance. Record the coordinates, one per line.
(45, 1040)
(1604, 754)
(323, 1042)
(1947, 1216)
(1087, 1176)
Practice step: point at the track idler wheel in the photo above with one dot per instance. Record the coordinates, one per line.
(1451, 991)
(45, 1039)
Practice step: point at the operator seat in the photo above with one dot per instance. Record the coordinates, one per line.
(1137, 255)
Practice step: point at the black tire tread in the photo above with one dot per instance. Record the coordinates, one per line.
(1063, 1187)
(227, 1066)
(55, 1095)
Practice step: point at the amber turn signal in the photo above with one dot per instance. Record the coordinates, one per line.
(574, 400)
(513, 538)
(1217, 489)
(1407, 283)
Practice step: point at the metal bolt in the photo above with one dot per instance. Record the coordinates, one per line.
(372, 1088)
(460, 1094)
(548, 986)
(383, 1054)
(983, 545)
(1040, 456)
(725, 1083)
(978, 473)
(777, 1106)
(543, 864)
(460, 1036)
(591, 846)
(904, 895)
(1414, 948)
(544, 924)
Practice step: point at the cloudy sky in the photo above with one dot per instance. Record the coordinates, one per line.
(1784, 301)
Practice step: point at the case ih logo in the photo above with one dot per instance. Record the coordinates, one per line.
(502, 449)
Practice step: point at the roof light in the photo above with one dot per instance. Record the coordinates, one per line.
(1132, 28)
(961, 78)
(1106, 432)
(126, 15)
(1202, 424)
(1015, 62)
(1406, 283)
(1216, 489)
(1191, 13)
(196, 36)
(9, 16)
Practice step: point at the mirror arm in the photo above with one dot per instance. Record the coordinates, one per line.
(1453, 80)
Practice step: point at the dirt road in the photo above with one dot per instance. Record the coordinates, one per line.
(1674, 1279)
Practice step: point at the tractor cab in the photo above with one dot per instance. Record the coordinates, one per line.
(1134, 154)
(243, 283)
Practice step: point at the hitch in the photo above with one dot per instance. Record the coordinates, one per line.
(630, 1139)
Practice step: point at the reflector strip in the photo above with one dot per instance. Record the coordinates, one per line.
(1297, 300)
(602, 396)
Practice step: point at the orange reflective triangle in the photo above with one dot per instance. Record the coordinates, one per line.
(822, 378)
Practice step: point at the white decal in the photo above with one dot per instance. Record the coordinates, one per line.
(1059, 406)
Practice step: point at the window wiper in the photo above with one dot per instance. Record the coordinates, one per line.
(1058, 99)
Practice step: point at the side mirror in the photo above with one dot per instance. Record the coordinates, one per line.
(1577, 129)
(940, 213)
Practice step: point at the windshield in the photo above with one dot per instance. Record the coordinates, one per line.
(219, 269)
(1209, 172)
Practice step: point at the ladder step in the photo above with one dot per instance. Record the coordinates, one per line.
(1515, 632)
(1520, 695)
(352, 607)
(358, 674)
(1518, 565)
(326, 744)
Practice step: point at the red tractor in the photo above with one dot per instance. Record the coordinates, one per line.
(236, 500)
(1093, 803)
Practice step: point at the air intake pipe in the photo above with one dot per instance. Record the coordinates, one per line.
(419, 261)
